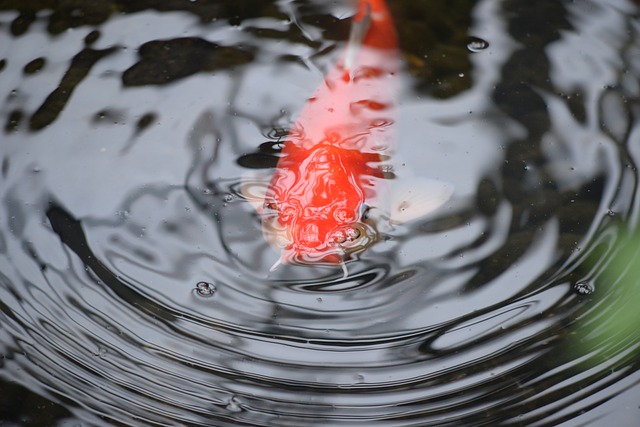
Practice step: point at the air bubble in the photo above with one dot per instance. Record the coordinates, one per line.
(233, 405)
(476, 44)
(584, 288)
(205, 289)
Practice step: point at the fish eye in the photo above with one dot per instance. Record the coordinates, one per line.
(363, 212)
(270, 207)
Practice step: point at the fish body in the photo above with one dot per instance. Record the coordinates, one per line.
(315, 208)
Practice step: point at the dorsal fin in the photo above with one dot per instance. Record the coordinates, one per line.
(359, 29)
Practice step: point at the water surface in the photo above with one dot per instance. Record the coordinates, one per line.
(134, 279)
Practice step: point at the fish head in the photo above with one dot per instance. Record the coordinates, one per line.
(315, 209)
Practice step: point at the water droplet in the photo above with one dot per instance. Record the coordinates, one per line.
(233, 405)
(476, 44)
(584, 288)
(611, 213)
(205, 289)
(229, 198)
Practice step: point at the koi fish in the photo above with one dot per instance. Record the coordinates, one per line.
(317, 208)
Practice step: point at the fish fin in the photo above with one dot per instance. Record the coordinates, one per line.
(345, 272)
(359, 29)
(277, 264)
(417, 197)
(254, 190)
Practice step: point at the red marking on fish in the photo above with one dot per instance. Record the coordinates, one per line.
(314, 206)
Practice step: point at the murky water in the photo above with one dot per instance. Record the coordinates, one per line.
(134, 279)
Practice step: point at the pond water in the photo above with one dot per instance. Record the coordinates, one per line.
(135, 284)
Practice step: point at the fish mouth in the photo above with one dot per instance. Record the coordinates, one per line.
(340, 245)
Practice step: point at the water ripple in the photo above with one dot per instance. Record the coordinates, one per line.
(134, 280)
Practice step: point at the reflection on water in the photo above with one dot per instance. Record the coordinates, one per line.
(134, 280)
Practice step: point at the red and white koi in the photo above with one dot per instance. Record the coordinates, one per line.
(315, 209)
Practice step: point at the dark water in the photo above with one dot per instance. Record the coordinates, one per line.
(134, 280)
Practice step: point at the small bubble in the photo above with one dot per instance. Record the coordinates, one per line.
(476, 44)
(319, 299)
(229, 198)
(233, 405)
(584, 288)
(611, 213)
(205, 289)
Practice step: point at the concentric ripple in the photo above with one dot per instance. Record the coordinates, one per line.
(134, 280)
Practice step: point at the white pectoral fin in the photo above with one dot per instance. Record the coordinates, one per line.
(417, 197)
(254, 190)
